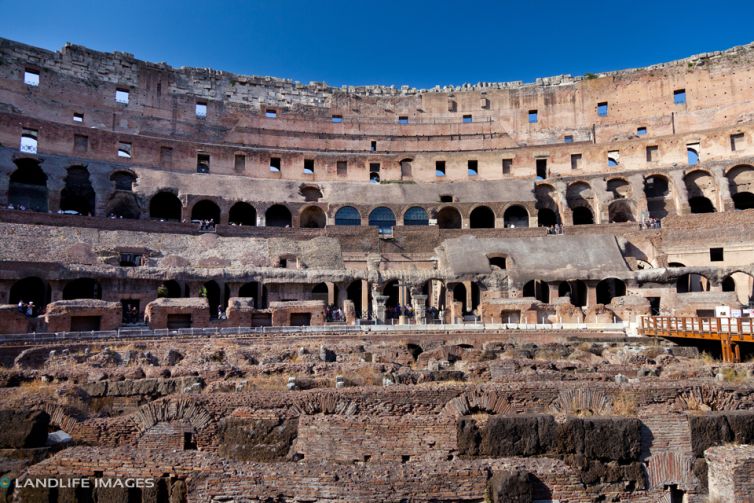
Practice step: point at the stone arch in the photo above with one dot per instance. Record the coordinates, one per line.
(581, 200)
(548, 213)
(171, 410)
(206, 210)
(576, 291)
(30, 289)
(277, 215)
(324, 403)
(242, 213)
(312, 217)
(620, 211)
(123, 180)
(382, 217)
(347, 215)
(478, 401)
(742, 283)
(619, 187)
(78, 193)
(415, 215)
(82, 288)
(449, 218)
(538, 289)
(609, 288)
(702, 191)
(165, 206)
(516, 216)
(28, 186)
(657, 191)
(482, 217)
(123, 204)
(741, 185)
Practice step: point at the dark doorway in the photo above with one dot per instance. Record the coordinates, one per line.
(206, 210)
(482, 218)
(609, 288)
(165, 206)
(78, 194)
(82, 288)
(242, 214)
(277, 216)
(449, 218)
(701, 204)
(30, 289)
(582, 216)
(28, 186)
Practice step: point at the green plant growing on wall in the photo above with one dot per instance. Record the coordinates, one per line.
(162, 291)
(203, 292)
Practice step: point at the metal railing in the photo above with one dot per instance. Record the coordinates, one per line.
(130, 333)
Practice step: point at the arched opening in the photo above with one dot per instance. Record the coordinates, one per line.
(692, 156)
(416, 215)
(620, 211)
(576, 291)
(78, 194)
(498, 262)
(123, 205)
(619, 188)
(547, 208)
(28, 186)
(170, 289)
(310, 193)
(391, 289)
(28, 290)
(582, 216)
(320, 292)
(165, 206)
(701, 204)
(251, 290)
(242, 214)
(313, 217)
(743, 284)
(482, 217)
(546, 217)
(382, 217)
(449, 218)
(459, 295)
(692, 282)
(537, 289)
(206, 210)
(609, 288)
(580, 197)
(743, 201)
(277, 215)
(348, 215)
(211, 291)
(434, 289)
(741, 185)
(123, 180)
(516, 216)
(353, 293)
(82, 288)
(702, 190)
(657, 192)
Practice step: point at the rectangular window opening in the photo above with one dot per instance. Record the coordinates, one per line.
(80, 143)
(736, 141)
(121, 96)
(439, 168)
(507, 166)
(652, 153)
(373, 146)
(239, 164)
(202, 163)
(402, 120)
(308, 166)
(716, 255)
(28, 141)
(446, 198)
(31, 77)
(275, 164)
(575, 161)
(130, 259)
(374, 172)
(77, 117)
(568, 139)
(679, 96)
(533, 116)
(473, 168)
(124, 150)
(337, 119)
(166, 157)
(467, 119)
(271, 114)
(542, 168)
(641, 131)
(613, 158)
(602, 109)
(201, 109)
(342, 168)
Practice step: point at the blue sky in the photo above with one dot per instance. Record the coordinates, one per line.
(419, 43)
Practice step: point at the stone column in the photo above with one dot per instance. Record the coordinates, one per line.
(378, 308)
(364, 300)
(56, 290)
(591, 295)
(725, 201)
(418, 301)
(681, 195)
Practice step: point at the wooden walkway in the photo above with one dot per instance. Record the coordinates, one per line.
(731, 332)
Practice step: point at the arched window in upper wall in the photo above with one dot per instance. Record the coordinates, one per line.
(382, 217)
(416, 215)
(347, 215)
(693, 156)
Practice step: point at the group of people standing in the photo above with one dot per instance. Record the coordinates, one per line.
(29, 310)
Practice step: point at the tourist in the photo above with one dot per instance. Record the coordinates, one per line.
(21, 306)
(30, 310)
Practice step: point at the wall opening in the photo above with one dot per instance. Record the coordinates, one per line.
(31, 289)
(374, 172)
(473, 168)
(28, 186)
(308, 166)
(449, 218)
(206, 210)
(348, 215)
(82, 288)
(313, 217)
(609, 288)
(516, 217)
(382, 217)
(202, 163)
(78, 194)
(165, 206)
(541, 169)
(701, 204)
(537, 289)
(416, 215)
(242, 214)
(482, 217)
(439, 168)
(277, 216)
(582, 216)
(692, 282)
